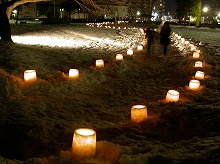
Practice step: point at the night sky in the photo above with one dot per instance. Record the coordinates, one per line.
(171, 7)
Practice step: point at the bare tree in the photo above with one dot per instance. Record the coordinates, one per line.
(7, 6)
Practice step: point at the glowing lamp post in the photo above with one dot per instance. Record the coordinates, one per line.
(172, 96)
(138, 113)
(119, 57)
(73, 73)
(140, 48)
(199, 75)
(196, 55)
(84, 143)
(130, 52)
(198, 64)
(194, 84)
(30, 76)
(99, 63)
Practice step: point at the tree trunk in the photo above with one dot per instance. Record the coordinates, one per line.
(5, 29)
(198, 19)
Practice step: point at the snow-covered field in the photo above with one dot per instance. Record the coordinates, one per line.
(38, 120)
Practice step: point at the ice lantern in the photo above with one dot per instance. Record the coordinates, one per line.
(73, 73)
(172, 96)
(198, 64)
(199, 75)
(196, 55)
(119, 57)
(194, 84)
(138, 113)
(130, 52)
(99, 63)
(30, 76)
(84, 143)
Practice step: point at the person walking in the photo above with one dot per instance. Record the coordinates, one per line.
(165, 36)
(149, 37)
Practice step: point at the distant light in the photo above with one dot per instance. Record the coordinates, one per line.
(138, 13)
(205, 9)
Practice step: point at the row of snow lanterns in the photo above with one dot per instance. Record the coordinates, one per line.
(194, 84)
(84, 139)
(30, 76)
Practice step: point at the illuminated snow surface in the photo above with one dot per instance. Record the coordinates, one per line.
(38, 120)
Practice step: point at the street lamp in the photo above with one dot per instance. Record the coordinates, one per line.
(205, 10)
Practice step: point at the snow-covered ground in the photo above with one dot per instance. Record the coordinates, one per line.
(38, 120)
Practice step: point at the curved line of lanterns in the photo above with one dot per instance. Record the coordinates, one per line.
(84, 139)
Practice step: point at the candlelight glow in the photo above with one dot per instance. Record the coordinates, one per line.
(30, 76)
(198, 64)
(194, 84)
(64, 41)
(130, 52)
(187, 43)
(196, 55)
(99, 63)
(73, 73)
(172, 96)
(119, 57)
(84, 143)
(193, 48)
(199, 75)
(138, 113)
(140, 48)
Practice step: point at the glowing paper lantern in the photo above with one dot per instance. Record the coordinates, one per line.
(198, 64)
(196, 55)
(73, 73)
(84, 143)
(140, 48)
(199, 75)
(119, 57)
(194, 84)
(138, 113)
(172, 96)
(30, 76)
(130, 52)
(99, 63)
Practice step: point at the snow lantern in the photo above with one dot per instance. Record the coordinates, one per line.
(73, 73)
(84, 143)
(186, 42)
(182, 40)
(172, 96)
(140, 48)
(199, 75)
(198, 51)
(138, 113)
(130, 52)
(194, 84)
(30, 76)
(119, 57)
(196, 55)
(99, 63)
(198, 64)
(193, 48)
